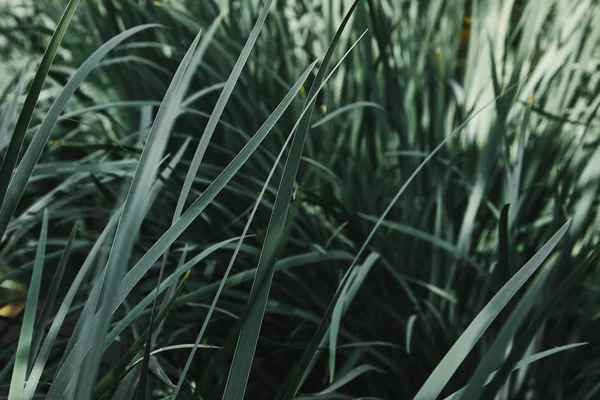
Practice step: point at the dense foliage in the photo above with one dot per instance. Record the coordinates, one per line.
(335, 199)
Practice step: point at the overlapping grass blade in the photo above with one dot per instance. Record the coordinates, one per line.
(275, 115)
(17, 382)
(131, 219)
(14, 148)
(495, 354)
(51, 297)
(182, 197)
(348, 293)
(19, 180)
(434, 385)
(524, 340)
(248, 337)
(523, 363)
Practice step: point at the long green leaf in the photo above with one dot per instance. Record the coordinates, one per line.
(434, 385)
(523, 363)
(495, 354)
(19, 181)
(248, 337)
(278, 111)
(14, 148)
(131, 218)
(51, 297)
(17, 382)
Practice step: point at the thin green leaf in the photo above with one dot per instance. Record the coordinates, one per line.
(275, 115)
(14, 148)
(51, 297)
(523, 363)
(17, 382)
(131, 219)
(348, 293)
(19, 181)
(248, 337)
(434, 385)
(345, 109)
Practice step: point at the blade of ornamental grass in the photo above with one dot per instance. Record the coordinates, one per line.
(278, 111)
(51, 298)
(60, 316)
(17, 184)
(250, 329)
(14, 148)
(167, 239)
(197, 58)
(128, 226)
(495, 355)
(440, 376)
(524, 341)
(521, 364)
(352, 285)
(17, 382)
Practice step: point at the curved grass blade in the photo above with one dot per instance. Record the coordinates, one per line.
(495, 355)
(523, 363)
(250, 329)
(346, 109)
(17, 382)
(524, 341)
(440, 376)
(275, 115)
(16, 141)
(219, 107)
(131, 219)
(196, 59)
(348, 293)
(17, 184)
(51, 297)
(9, 112)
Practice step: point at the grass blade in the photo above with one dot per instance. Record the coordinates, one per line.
(434, 385)
(248, 337)
(495, 354)
(17, 382)
(51, 298)
(523, 363)
(132, 216)
(348, 293)
(274, 116)
(17, 184)
(16, 141)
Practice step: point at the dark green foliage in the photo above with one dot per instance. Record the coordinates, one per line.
(374, 197)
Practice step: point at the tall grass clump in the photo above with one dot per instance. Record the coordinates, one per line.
(309, 200)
